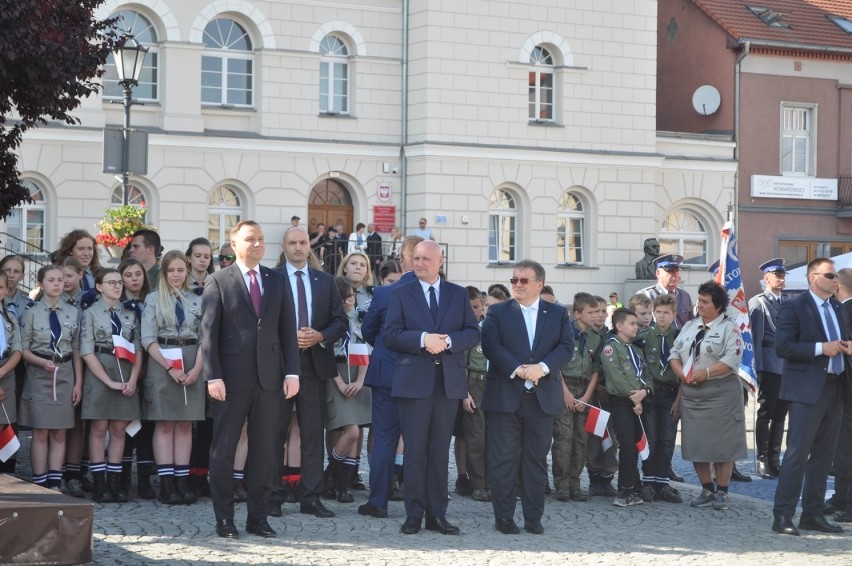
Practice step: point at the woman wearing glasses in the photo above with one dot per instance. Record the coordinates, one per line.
(110, 398)
(706, 357)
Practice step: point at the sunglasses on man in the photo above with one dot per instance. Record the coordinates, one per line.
(521, 280)
(229, 257)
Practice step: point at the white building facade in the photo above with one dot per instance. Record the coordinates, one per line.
(516, 128)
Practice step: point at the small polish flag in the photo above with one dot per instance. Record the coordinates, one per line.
(9, 443)
(642, 447)
(124, 349)
(606, 441)
(596, 421)
(174, 356)
(359, 355)
(688, 369)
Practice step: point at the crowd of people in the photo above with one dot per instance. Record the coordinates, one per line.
(248, 383)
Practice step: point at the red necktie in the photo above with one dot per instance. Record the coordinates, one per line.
(254, 291)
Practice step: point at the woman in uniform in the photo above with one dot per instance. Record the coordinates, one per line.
(10, 355)
(356, 268)
(173, 395)
(16, 299)
(706, 357)
(348, 402)
(110, 400)
(80, 245)
(50, 347)
(200, 256)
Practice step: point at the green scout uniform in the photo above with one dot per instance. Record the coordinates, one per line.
(601, 464)
(474, 424)
(621, 373)
(660, 374)
(569, 434)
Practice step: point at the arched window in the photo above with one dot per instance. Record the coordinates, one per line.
(227, 65)
(334, 76)
(502, 215)
(133, 23)
(684, 233)
(571, 230)
(135, 196)
(541, 85)
(225, 210)
(27, 223)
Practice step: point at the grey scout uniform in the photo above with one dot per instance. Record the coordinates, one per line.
(569, 434)
(96, 331)
(7, 383)
(46, 399)
(474, 424)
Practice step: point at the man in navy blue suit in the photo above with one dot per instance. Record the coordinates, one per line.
(811, 336)
(384, 428)
(429, 324)
(527, 341)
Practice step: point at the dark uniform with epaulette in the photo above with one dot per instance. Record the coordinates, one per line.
(473, 424)
(569, 434)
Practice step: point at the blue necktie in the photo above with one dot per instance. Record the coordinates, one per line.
(664, 352)
(836, 363)
(433, 303)
(179, 314)
(55, 332)
(116, 323)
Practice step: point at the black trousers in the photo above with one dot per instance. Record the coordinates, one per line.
(629, 431)
(770, 409)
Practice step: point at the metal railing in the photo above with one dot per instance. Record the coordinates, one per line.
(34, 257)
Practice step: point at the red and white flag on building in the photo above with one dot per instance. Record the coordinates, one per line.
(9, 443)
(642, 447)
(174, 356)
(124, 349)
(359, 354)
(596, 421)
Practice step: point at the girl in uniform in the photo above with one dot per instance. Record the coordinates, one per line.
(110, 401)
(356, 267)
(80, 245)
(173, 396)
(16, 299)
(200, 256)
(49, 342)
(10, 355)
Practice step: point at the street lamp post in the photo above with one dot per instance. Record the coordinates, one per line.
(128, 63)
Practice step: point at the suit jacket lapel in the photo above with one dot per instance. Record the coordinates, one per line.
(815, 314)
(540, 322)
(241, 286)
(520, 322)
(443, 302)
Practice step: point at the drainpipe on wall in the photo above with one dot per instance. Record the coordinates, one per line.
(403, 158)
(738, 64)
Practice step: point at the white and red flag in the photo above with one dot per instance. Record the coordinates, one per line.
(596, 422)
(606, 441)
(689, 368)
(642, 447)
(359, 354)
(174, 356)
(9, 443)
(124, 349)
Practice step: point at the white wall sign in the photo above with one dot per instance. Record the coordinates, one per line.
(793, 187)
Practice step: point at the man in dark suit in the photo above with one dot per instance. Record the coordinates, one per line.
(429, 324)
(384, 429)
(321, 322)
(526, 341)
(374, 249)
(769, 427)
(839, 503)
(250, 356)
(811, 335)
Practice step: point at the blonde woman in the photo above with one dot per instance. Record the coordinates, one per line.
(356, 268)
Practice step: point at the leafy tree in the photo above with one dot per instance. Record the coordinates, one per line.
(50, 53)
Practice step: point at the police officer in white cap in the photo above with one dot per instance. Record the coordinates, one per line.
(668, 279)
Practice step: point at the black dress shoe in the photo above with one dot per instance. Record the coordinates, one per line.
(370, 510)
(411, 526)
(674, 477)
(845, 517)
(737, 475)
(533, 527)
(784, 525)
(225, 528)
(819, 523)
(275, 510)
(506, 526)
(315, 508)
(441, 525)
(831, 507)
(260, 528)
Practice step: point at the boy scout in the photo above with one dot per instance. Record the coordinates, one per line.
(601, 464)
(473, 419)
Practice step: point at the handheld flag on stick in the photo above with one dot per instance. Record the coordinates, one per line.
(359, 354)
(124, 349)
(9, 442)
(174, 356)
(642, 444)
(596, 421)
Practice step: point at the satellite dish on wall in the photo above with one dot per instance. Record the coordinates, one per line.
(706, 100)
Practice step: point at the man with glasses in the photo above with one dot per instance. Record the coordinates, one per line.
(668, 279)
(527, 341)
(226, 255)
(422, 231)
(811, 335)
(772, 412)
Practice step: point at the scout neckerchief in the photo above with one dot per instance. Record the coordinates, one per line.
(634, 359)
(55, 331)
(179, 314)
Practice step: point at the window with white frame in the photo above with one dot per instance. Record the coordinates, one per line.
(135, 24)
(27, 222)
(685, 234)
(502, 227)
(135, 196)
(227, 65)
(225, 209)
(797, 140)
(541, 77)
(570, 230)
(334, 76)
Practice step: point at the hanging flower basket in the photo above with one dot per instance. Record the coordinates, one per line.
(118, 226)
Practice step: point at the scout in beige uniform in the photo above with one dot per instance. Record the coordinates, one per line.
(173, 397)
(110, 398)
(10, 355)
(14, 301)
(50, 341)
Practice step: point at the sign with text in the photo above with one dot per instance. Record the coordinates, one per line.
(384, 217)
(793, 187)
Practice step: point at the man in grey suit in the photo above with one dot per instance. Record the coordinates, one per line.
(248, 340)
(769, 427)
(527, 341)
(812, 336)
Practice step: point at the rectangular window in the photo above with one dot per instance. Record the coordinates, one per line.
(541, 96)
(147, 87)
(693, 250)
(226, 80)
(334, 88)
(501, 238)
(797, 141)
(569, 240)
